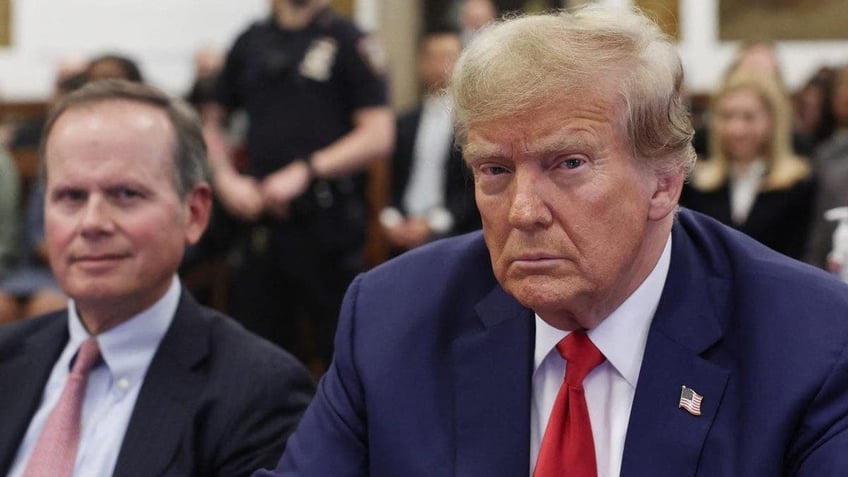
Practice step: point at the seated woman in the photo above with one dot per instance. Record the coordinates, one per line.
(753, 181)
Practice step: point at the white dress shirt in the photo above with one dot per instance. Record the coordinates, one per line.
(112, 387)
(610, 387)
(426, 189)
(744, 186)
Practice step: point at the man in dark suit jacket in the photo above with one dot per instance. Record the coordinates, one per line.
(832, 167)
(719, 357)
(432, 193)
(215, 400)
(832, 193)
(177, 389)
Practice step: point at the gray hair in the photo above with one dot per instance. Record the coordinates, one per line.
(525, 63)
(191, 166)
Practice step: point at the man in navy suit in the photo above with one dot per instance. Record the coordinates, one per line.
(177, 389)
(718, 357)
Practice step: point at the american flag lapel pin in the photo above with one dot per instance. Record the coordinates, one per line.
(690, 400)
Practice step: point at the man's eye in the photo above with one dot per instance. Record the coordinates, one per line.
(494, 170)
(124, 193)
(69, 196)
(573, 163)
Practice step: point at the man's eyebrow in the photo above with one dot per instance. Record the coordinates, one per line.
(559, 143)
(476, 150)
(553, 144)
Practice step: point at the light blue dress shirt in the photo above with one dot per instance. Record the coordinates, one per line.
(112, 387)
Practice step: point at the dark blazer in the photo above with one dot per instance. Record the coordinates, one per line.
(780, 219)
(432, 373)
(216, 400)
(459, 184)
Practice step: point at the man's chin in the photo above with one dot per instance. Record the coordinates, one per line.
(537, 296)
(95, 291)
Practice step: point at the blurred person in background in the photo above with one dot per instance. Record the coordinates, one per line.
(204, 266)
(113, 66)
(473, 16)
(69, 75)
(432, 191)
(752, 180)
(207, 64)
(314, 90)
(835, 147)
(10, 190)
(814, 121)
(831, 161)
(29, 288)
(759, 58)
(208, 61)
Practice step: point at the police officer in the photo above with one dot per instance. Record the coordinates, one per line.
(313, 88)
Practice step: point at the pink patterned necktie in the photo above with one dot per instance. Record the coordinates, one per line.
(55, 451)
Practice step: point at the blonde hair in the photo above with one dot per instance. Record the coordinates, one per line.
(529, 62)
(783, 167)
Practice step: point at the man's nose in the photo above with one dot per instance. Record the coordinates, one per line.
(96, 217)
(529, 208)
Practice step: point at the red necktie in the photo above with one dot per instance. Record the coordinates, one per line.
(567, 448)
(55, 451)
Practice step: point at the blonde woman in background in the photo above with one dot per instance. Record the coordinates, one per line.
(752, 180)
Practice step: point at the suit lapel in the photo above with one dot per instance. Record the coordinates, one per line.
(493, 360)
(663, 439)
(168, 396)
(25, 366)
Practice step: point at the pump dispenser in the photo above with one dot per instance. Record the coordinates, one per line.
(839, 254)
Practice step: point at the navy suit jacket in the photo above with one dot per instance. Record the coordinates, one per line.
(216, 400)
(432, 373)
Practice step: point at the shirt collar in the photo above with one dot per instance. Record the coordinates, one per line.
(754, 172)
(621, 336)
(437, 103)
(128, 348)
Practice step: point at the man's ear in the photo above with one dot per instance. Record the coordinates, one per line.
(198, 204)
(666, 194)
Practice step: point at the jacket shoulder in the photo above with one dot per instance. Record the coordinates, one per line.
(238, 351)
(13, 334)
(437, 265)
(761, 275)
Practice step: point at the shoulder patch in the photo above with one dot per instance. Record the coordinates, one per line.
(318, 62)
(373, 54)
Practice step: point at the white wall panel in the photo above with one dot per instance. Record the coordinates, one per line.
(161, 35)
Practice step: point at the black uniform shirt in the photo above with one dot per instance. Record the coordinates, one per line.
(300, 88)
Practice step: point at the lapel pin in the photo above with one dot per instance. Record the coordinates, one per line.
(690, 400)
